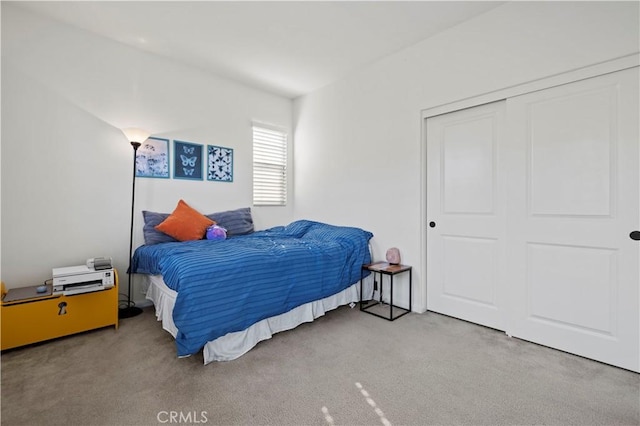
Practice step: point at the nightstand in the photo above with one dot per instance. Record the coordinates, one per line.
(382, 269)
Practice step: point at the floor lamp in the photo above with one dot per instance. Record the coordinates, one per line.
(136, 137)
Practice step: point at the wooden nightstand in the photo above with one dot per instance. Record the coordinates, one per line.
(36, 318)
(384, 268)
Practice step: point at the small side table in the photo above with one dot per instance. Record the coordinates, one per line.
(384, 268)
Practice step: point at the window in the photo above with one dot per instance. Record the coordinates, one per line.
(269, 167)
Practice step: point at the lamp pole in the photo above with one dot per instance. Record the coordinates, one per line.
(130, 310)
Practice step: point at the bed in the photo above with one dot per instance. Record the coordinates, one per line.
(223, 297)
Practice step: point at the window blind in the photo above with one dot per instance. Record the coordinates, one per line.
(269, 167)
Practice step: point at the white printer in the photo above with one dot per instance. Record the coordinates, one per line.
(82, 279)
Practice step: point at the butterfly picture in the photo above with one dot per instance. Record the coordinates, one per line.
(219, 164)
(152, 159)
(187, 162)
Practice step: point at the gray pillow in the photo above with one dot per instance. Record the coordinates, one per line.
(236, 222)
(152, 235)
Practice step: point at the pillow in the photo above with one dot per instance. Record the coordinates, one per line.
(151, 234)
(236, 222)
(185, 223)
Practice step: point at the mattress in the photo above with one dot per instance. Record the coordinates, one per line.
(235, 344)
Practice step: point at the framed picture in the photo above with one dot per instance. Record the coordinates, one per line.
(219, 164)
(187, 163)
(152, 158)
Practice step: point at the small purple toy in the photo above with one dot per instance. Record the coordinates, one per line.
(215, 232)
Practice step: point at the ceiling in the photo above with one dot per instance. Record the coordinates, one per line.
(288, 48)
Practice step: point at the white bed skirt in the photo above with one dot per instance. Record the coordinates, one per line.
(234, 345)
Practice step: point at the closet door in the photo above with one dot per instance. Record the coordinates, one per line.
(465, 211)
(573, 199)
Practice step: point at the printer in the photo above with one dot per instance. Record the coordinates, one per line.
(82, 279)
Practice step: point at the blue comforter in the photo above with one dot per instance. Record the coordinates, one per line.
(226, 286)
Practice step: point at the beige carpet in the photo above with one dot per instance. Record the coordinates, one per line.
(347, 368)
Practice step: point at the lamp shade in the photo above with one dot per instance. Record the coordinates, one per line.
(135, 134)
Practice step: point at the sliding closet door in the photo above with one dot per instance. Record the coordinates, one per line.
(465, 211)
(530, 205)
(573, 199)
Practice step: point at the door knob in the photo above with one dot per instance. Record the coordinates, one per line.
(432, 224)
(635, 235)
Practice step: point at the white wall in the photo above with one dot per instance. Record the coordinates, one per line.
(66, 166)
(358, 141)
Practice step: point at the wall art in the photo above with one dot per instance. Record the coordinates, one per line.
(152, 158)
(187, 163)
(219, 164)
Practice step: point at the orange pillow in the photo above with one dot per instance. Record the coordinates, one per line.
(185, 223)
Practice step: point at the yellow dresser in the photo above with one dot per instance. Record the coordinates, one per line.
(38, 318)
